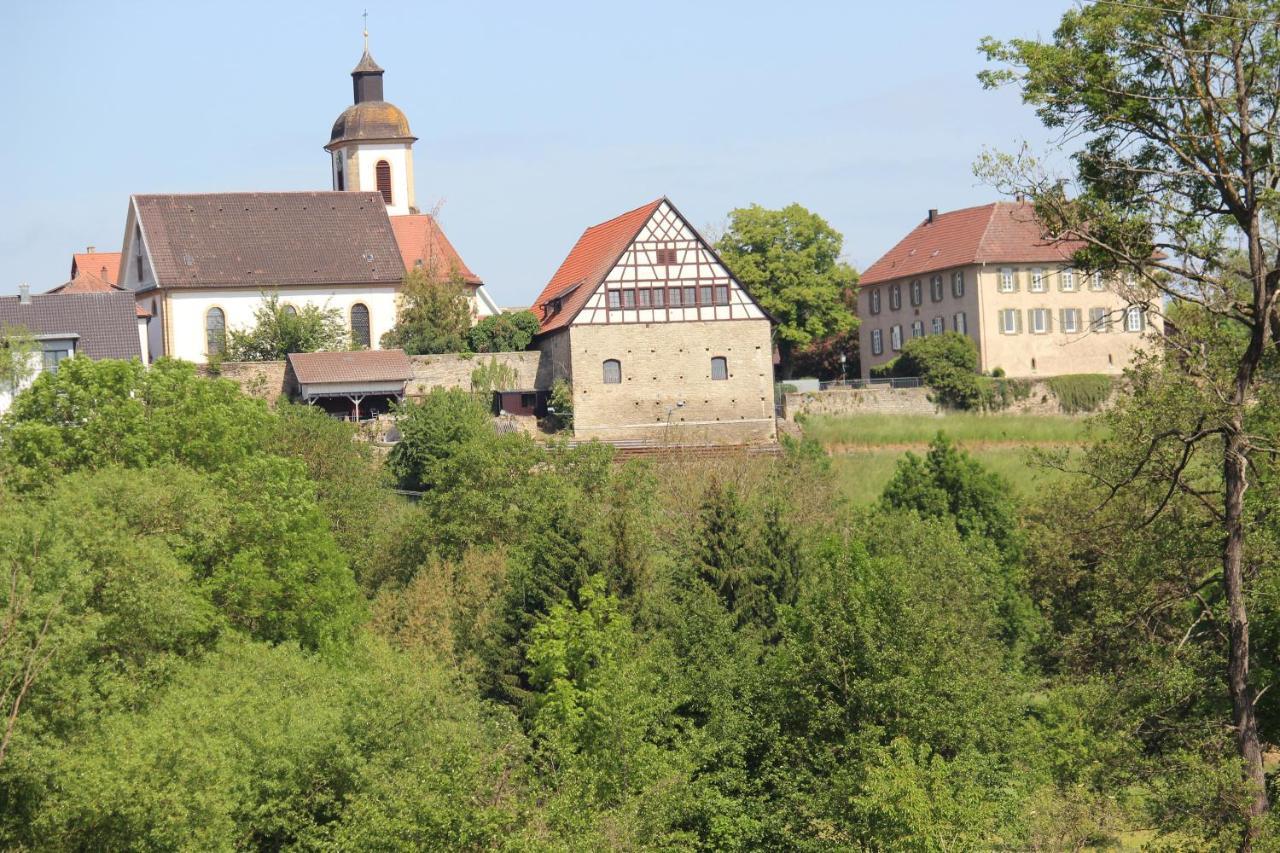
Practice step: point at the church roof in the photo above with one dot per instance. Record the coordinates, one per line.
(595, 253)
(1000, 232)
(105, 265)
(421, 240)
(266, 240)
(370, 120)
(104, 324)
(366, 65)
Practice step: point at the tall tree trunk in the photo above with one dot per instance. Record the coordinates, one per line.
(1243, 715)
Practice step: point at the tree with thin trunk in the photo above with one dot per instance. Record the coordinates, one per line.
(1175, 196)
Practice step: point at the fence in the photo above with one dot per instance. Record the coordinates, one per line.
(890, 382)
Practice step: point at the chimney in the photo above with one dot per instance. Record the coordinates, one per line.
(91, 250)
(24, 294)
(933, 214)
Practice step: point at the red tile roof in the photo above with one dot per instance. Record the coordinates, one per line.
(264, 240)
(421, 239)
(590, 260)
(1001, 232)
(105, 265)
(384, 365)
(87, 282)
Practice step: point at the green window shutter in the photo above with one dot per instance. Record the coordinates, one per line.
(1017, 322)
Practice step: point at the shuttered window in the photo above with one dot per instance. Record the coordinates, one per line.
(383, 170)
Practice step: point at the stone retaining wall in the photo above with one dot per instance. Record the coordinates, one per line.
(263, 379)
(848, 401)
(453, 370)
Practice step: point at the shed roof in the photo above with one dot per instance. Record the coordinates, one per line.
(386, 365)
(105, 324)
(267, 240)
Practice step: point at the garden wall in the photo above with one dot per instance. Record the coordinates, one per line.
(849, 401)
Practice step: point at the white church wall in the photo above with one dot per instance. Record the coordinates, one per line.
(187, 310)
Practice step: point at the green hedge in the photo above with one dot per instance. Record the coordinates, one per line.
(1080, 392)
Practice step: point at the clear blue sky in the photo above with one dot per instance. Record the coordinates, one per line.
(534, 120)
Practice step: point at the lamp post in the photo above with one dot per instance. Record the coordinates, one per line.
(843, 358)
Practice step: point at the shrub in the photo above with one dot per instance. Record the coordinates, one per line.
(1080, 392)
(947, 363)
(561, 400)
(509, 332)
(997, 392)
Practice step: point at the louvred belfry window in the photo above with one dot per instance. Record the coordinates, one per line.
(383, 170)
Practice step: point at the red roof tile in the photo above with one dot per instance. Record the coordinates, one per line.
(381, 365)
(421, 239)
(85, 282)
(105, 265)
(1001, 232)
(590, 260)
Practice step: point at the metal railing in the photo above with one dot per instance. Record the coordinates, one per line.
(888, 382)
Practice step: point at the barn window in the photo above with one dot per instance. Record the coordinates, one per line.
(360, 325)
(722, 294)
(215, 331)
(628, 298)
(675, 297)
(690, 296)
(719, 368)
(659, 297)
(383, 170)
(666, 257)
(612, 372)
(704, 294)
(615, 298)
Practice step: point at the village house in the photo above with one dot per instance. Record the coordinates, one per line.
(989, 272)
(656, 338)
(89, 324)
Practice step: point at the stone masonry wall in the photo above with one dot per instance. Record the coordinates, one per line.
(848, 401)
(453, 370)
(262, 379)
(669, 363)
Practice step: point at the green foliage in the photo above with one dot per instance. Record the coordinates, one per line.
(18, 353)
(998, 392)
(491, 377)
(279, 329)
(561, 400)
(433, 430)
(506, 332)
(947, 363)
(789, 260)
(432, 314)
(1081, 392)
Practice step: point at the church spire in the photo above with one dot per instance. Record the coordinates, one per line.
(366, 78)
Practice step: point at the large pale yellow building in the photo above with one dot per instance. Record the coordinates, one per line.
(660, 343)
(989, 272)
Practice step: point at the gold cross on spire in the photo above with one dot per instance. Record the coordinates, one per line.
(365, 16)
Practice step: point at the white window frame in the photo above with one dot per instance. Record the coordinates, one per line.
(1070, 321)
(917, 329)
(957, 284)
(1008, 321)
(875, 300)
(1133, 318)
(895, 337)
(1099, 320)
(877, 342)
(895, 297)
(960, 323)
(917, 292)
(1039, 321)
(939, 325)
(1096, 282)
(936, 292)
(1037, 280)
(1008, 284)
(1068, 280)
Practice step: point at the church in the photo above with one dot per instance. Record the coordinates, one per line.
(200, 264)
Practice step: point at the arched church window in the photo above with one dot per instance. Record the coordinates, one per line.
(383, 170)
(215, 331)
(612, 372)
(360, 325)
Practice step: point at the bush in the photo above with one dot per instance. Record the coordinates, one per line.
(947, 363)
(997, 392)
(1080, 392)
(510, 332)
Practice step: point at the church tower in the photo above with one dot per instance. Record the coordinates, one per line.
(371, 145)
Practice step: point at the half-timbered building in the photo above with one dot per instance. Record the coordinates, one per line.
(658, 340)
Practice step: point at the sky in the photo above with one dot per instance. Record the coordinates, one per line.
(535, 120)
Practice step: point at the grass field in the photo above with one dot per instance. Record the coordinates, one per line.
(866, 448)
